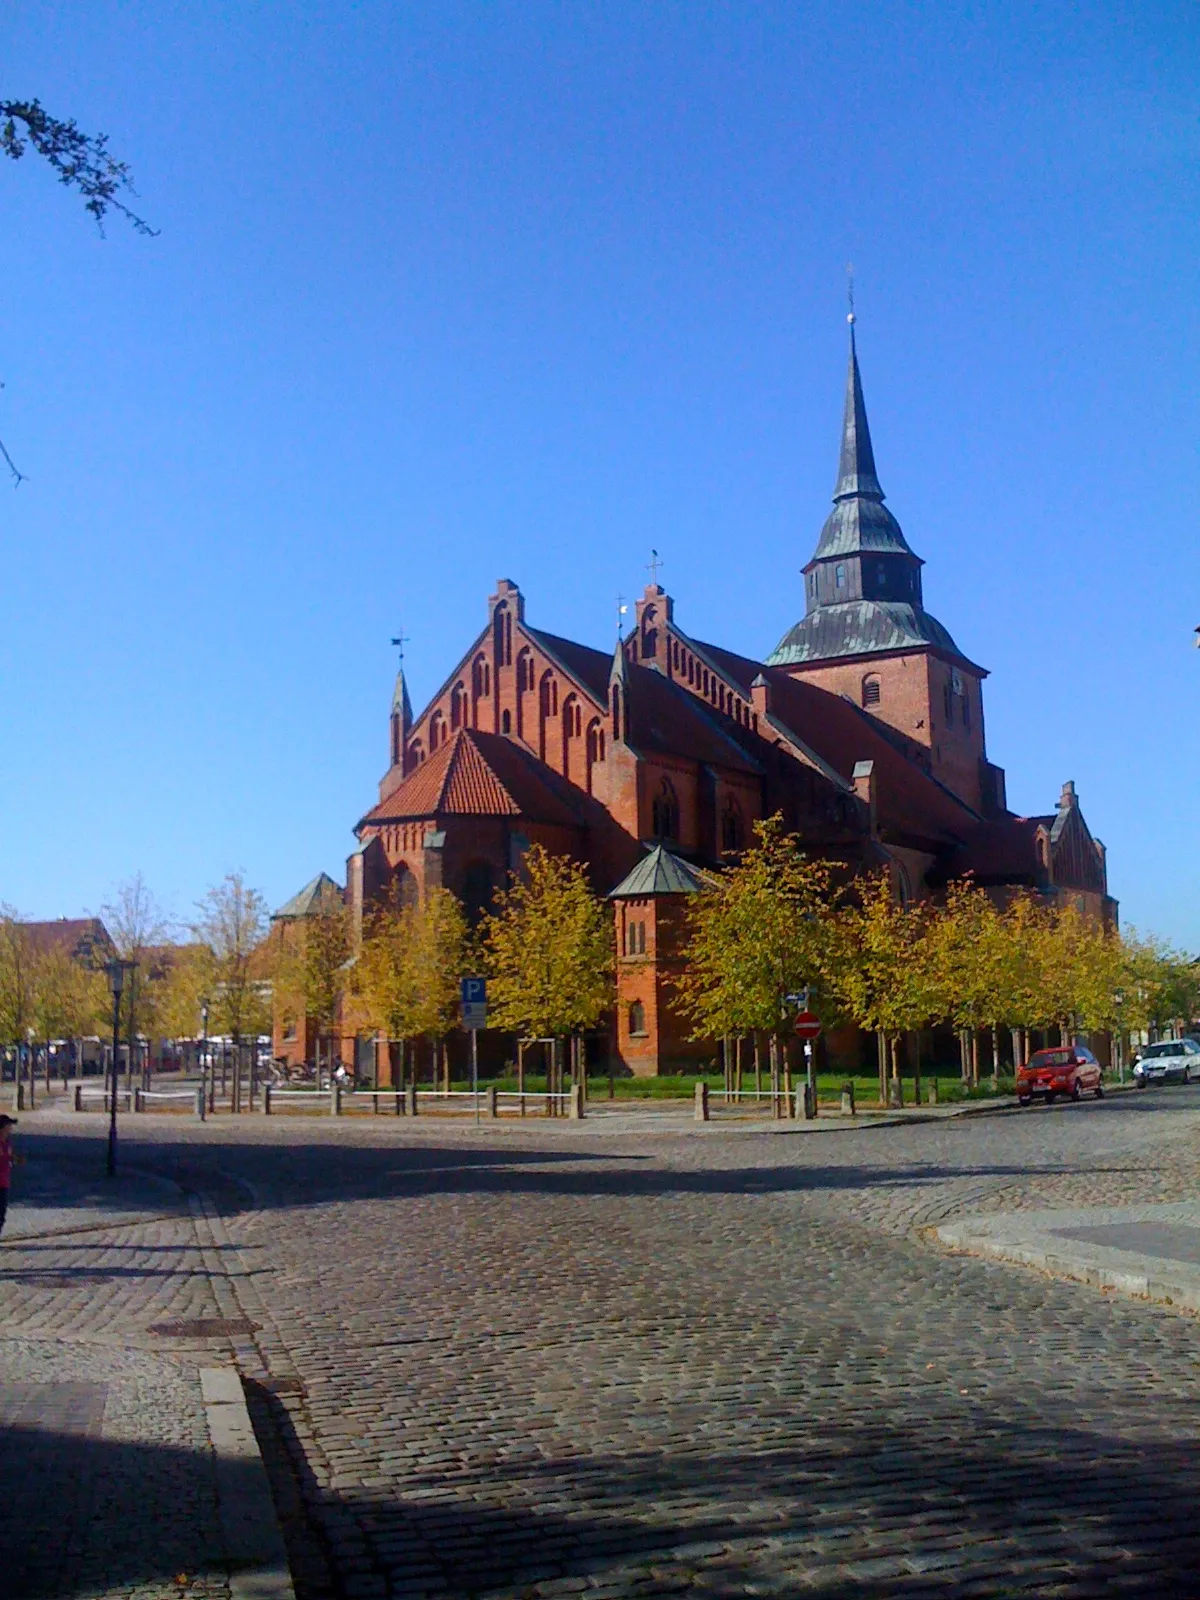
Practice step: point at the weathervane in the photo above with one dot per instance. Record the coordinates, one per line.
(400, 641)
(851, 319)
(622, 608)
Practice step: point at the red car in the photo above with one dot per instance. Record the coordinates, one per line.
(1068, 1069)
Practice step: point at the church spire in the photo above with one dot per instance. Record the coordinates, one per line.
(856, 469)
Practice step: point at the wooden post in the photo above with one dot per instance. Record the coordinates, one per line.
(490, 1108)
(701, 1111)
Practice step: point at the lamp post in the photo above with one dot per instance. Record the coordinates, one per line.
(116, 981)
(204, 1050)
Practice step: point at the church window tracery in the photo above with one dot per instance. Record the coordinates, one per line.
(664, 812)
(732, 831)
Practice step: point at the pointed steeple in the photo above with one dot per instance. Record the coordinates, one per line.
(856, 469)
(401, 704)
(618, 694)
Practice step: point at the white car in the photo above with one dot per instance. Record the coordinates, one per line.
(1170, 1058)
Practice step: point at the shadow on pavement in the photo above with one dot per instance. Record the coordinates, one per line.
(875, 1510)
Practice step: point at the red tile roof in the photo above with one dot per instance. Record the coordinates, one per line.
(85, 938)
(479, 775)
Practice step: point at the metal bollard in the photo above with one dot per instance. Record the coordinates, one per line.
(266, 1099)
(78, 1097)
(701, 1111)
(201, 1103)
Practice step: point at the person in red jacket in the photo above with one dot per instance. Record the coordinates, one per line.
(7, 1124)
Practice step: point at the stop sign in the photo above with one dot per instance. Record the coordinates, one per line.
(806, 1025)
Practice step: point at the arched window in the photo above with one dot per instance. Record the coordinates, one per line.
(649, 632)
(732, 832)
(525, 670)
(437, 731)
(839, 576)
(477, 890)
(870, 689)
(502, 635)
(549, 695)
(458, 706)
(416, 753)
(664, 812)
(481, 678)
(616, 710)
(506, 722)
(572, 718)
(637, 1020)
(405, 889)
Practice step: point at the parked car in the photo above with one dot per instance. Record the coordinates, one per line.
(1170, 1058)
(1068, 1069)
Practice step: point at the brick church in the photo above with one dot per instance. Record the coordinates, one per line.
(864, 727)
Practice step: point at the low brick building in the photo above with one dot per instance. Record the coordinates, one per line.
(864, 728)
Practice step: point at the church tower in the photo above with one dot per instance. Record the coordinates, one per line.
(867, 636)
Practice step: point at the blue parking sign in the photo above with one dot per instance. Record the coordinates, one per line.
(474, 1002)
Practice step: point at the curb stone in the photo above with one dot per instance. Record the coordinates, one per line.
(250, 1530)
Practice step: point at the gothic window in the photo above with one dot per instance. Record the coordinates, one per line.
(416, 752)
(839, 576)
(870, 690)
(502, 635)
(649, 631)
(637, 1020)
(675, 654)
(437, 731)
(506, 722)
(395, 740)
(616, 711)
(691, 670)
(481, 679)
(572, 718)
(478, 884)
(458, 706)
(732, 835)
(525, 670)
(664, 812)
(549, 695)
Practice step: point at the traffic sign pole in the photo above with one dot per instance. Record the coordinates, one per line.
(475, 1070)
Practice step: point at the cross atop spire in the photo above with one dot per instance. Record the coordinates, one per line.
(400, 641)
(653, 565)
(856, 469)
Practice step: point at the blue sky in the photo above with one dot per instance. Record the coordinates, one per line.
(451, 292)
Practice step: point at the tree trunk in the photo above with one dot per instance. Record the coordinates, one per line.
(757, 1063)
(974, 1058)
(915, 1036)
(964, 1059)
(881, 1062)
(894, 1055)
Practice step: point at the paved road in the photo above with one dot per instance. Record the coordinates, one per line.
(542, 1363)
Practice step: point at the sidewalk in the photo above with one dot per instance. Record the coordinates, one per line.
(1152, 1251)
(128, 1466)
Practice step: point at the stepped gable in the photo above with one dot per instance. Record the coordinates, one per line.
(667, 719)
(909, 800)
(479, 775)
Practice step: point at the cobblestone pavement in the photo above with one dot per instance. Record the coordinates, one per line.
(538, 1363)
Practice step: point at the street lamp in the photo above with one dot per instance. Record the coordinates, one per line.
(116, 981)
(204, 1047)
